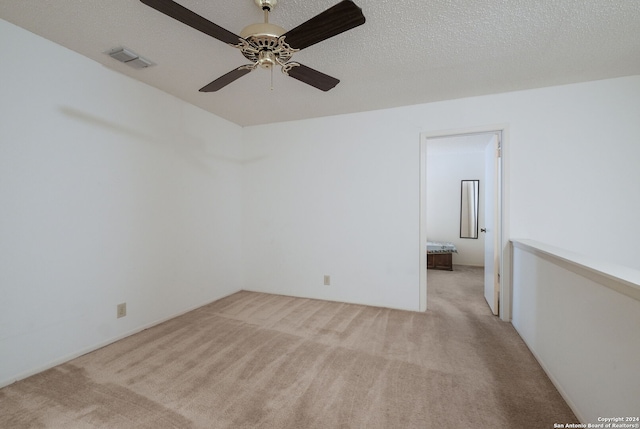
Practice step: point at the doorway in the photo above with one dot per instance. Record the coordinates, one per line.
(456, 154)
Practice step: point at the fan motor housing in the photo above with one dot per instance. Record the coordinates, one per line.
(263, 38)
(263, 29)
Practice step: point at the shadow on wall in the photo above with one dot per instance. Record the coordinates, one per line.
(196, 151)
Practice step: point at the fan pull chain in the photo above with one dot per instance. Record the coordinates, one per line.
(266, 21)
(271, 77)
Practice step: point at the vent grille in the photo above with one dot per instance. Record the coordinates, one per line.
(130, 58)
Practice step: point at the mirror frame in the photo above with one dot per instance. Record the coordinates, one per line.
(470, 201)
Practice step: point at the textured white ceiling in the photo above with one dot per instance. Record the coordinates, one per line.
(408, 51)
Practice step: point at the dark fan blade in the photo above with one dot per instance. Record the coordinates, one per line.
(226, 79)
(192, 19)
(335, 20)
(313, 77)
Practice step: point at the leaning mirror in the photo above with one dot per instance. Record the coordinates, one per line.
(469, 209)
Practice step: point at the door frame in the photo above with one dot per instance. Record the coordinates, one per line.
(505, 254)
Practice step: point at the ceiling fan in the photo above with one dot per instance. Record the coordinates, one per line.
(268, 45)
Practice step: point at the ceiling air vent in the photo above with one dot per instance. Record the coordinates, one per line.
(130, 58)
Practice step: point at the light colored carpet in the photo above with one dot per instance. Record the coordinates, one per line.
(254, 360)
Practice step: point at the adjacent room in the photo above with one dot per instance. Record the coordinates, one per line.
(461, 171)
(190, 238)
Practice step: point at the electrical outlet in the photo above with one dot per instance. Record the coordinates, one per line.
(327, 280)
(122, 310)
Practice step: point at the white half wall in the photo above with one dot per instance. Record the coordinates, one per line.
(111, 192)
(582, 330)
(340, 195)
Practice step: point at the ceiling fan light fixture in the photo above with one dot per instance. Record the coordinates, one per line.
(267, 45)
(267, 59)
(263, 45)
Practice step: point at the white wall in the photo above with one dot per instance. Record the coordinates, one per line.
(445, 171)
(330, 196)
(111, 191)
(340, 195)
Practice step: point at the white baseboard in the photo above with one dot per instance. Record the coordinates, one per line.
(555, 382)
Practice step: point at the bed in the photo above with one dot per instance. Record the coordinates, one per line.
(440, 255)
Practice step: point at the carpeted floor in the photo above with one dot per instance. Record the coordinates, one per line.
(254, 360)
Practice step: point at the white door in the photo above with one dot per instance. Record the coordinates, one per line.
(491, 216)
